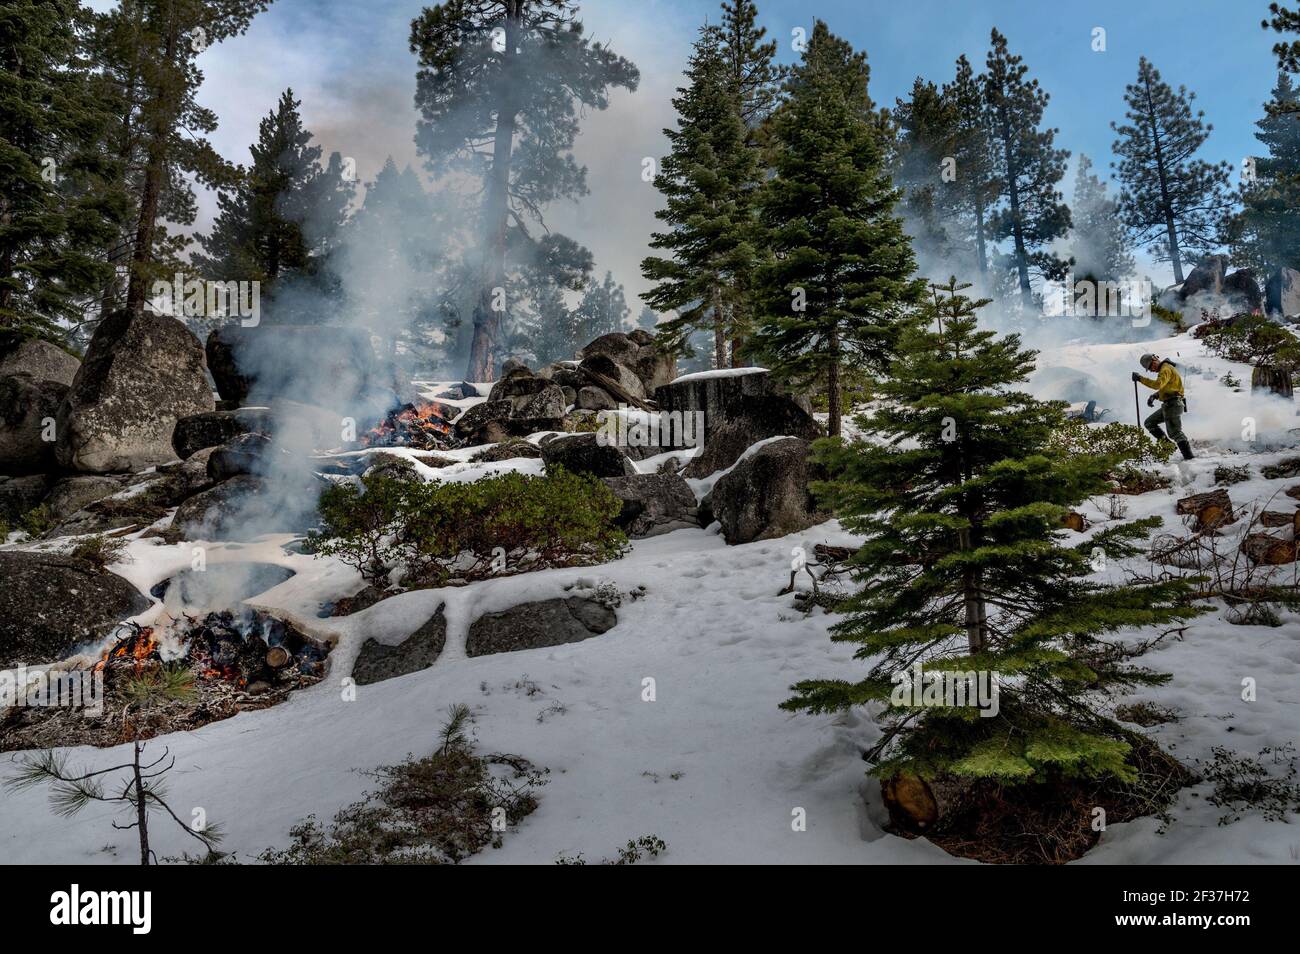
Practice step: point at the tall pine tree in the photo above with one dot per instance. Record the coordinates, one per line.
(1028, 167)
(152, 48)
(927, 123)
(707, 179)
(1265, 234)
(61, 201)
(976, 170)
(842, 279)
(499, 89)
(959, 496)
(1172, 203)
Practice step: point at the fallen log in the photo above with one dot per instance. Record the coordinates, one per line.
(610, 386)
(1212, 509)
(277, 657)
(1264, 548)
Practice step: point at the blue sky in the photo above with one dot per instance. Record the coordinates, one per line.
(350, 65)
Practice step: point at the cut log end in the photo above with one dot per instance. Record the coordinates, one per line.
(1266, 549)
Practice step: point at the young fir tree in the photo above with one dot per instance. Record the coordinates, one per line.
(1173, 205)
(1265, 234)
(62, 201)
(648, 319)
(1028, 167)
(976, 177)
(707, 179)
(842, 278)
(960, 498)
(1098, 243)
(602, 311)
(284, 214)
(500, 87)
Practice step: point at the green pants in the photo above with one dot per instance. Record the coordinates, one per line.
(1170, 414)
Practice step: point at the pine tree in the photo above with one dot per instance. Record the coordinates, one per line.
(1265, 234)
(1098, 243)
(285, 212)
(1284, 21)
(602, 311)
(927, 124)
(153, 45)
(1028, 167)
(842, 278)
(499, 89)
(648, 319)
(749, 60)
(391, 247)
(960, 496)
(61, 199)
(756, 87)
(707, 179)
(1172, 204)
(976, 178)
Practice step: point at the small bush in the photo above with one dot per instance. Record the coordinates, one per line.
(1226, 474)
(439, 809)
(635, 850)
(1243, 782)
(37, 521)
(495, 524)
(100, 550)
(1116, 440)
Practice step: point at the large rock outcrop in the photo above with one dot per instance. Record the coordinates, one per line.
(753, 420)
(50, 605)
(379, 661)
(142, 373)
(328, 365)
(214, 428)
(40, 359)
(242, 508)
(766, 494)
(653, 504)
(720, 395)
(539, 624)
(585, 454)
(28, 423)
(1283, 293)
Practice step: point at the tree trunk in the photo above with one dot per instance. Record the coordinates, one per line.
(486, 343)
(981, 256)
(154, 173)
(833, 386)
(719, 331)
(1171, 230)
(141, 808)
(1272, 379)
(1013, 194)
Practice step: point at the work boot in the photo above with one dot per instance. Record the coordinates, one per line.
(1186, 448)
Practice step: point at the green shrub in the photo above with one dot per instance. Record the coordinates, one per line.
(37, 521)
(99, 549)
(1124, 443)
(495, 524)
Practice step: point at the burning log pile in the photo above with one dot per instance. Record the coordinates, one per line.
(237, 661)
(423, 426)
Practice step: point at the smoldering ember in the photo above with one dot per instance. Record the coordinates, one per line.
(708, 431)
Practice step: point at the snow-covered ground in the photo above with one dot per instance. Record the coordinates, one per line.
(711, 765)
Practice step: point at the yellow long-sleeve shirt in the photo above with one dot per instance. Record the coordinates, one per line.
(1167, 384)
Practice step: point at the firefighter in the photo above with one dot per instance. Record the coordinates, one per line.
(1168, 387)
